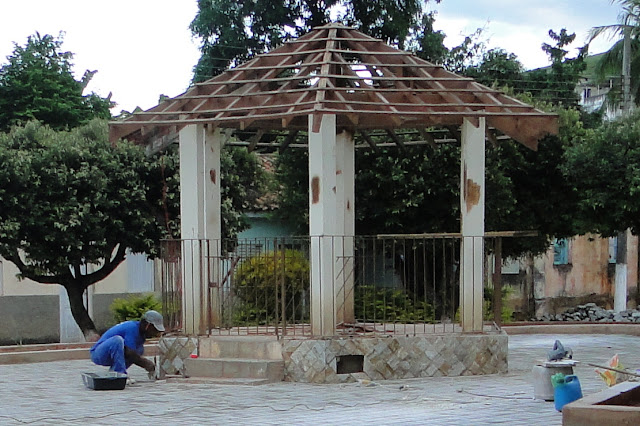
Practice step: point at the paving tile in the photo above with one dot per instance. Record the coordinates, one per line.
(53, 393)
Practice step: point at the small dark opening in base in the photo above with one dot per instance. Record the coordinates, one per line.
(350, 364)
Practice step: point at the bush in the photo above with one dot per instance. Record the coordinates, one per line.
(258, 283)
(506, 315)
(134, 306)
(386, 304)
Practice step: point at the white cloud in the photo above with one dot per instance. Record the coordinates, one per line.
(141, 48)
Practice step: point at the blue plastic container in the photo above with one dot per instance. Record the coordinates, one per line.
(567, 392)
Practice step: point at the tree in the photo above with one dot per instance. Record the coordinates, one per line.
(557, 84)
(605, 167)
(427, 43)
(623, 58)
(70, 200)
(498, 68)
(234, 31)
(38, 83)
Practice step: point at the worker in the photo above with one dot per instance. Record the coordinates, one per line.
(123, 344)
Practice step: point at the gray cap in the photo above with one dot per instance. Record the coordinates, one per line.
(155, 318)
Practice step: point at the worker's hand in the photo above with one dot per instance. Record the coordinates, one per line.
(149, 365)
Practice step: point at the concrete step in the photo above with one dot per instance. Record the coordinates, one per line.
(254, 347)
(26, 356)
(46, 353)
(217, 381)
(235, 368)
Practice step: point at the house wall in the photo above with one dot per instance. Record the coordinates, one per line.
(31, 312)
(588, 276)
(29, 319)
(261, 226)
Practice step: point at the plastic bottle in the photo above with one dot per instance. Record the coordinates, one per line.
(566, 390)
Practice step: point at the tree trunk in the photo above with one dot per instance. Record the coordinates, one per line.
(80, 313)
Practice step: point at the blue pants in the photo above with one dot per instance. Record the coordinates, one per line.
(111, 354)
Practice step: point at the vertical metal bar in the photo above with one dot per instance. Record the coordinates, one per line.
(207, 283)
(275, 285)
(283, 293)
(497, 281)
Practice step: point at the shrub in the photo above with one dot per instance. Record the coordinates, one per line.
(392, 305)
(506, 315)
(258, 283)
(134, 306)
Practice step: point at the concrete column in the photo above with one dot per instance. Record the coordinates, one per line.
(200, 219)
(620, 295)
(472, 190)
(323, 209)
(345, 218)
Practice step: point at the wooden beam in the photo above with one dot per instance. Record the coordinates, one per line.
(255, 139)
(427, 137)
(289, 139)
(396, 139)
(368, 139)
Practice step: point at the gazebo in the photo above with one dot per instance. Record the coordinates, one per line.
(333, 83)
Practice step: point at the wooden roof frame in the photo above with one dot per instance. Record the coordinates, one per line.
(337, 70)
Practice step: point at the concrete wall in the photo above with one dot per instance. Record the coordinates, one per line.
(29, 319)
(587, 277)
(54, 322)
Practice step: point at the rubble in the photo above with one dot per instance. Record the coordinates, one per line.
(591, 312)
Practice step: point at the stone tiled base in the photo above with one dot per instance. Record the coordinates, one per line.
(314, 361)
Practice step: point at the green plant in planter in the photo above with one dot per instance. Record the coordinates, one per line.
(134, 306)
(261, 280)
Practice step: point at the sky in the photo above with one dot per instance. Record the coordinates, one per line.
(143, 48)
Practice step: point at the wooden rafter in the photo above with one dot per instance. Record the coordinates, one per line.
(338, 70)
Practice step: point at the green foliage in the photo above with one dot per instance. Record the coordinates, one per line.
(506, 314)
(261, 280)
(610, 63)
(38, 83)
(557, 84)
(498, 68)
(427, 43)
(134, 306)
(71, 199)
(392, 305)
(605, 169)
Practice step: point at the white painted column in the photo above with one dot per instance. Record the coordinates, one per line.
(345, 217)
(472, 197)
(620, 295)
(200, 219)
(322, 222)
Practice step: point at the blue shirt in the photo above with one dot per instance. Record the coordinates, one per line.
(129, 331)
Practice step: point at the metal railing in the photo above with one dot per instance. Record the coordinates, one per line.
(380, 284)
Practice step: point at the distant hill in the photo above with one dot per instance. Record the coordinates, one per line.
(589, 73)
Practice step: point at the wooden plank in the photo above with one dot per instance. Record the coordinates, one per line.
(369, 141)
(255, 139)
(289, 140)
(427, 136)
(396, 139)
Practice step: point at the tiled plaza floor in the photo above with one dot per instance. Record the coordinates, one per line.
(52, 393)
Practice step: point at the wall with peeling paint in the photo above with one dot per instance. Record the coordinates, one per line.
(587, 277)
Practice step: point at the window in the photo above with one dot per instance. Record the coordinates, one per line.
(561, 251)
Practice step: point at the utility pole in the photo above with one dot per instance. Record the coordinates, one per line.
(627, 103)
(620, 295)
